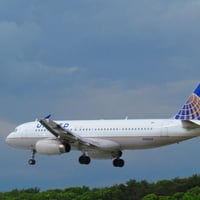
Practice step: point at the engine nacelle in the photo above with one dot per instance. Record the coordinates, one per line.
(50, 147)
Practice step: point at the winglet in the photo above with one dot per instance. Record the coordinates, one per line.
(48, 116)
(191, 109)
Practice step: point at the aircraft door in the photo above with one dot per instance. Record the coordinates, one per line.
(164, 130)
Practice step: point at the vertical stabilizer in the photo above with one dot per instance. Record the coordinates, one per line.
(191, 109)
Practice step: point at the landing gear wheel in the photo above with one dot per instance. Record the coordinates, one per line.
(87, 161)
(31, 162)
(84, 160)
(118, 162)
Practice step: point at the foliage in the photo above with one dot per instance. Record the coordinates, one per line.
(175, 189)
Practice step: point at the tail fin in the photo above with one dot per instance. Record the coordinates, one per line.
(191, 109)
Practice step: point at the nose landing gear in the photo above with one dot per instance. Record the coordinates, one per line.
(32, 161)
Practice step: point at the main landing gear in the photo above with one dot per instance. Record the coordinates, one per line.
(32, 161)
(118, 162)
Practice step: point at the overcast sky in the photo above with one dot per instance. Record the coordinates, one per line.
(92, 60)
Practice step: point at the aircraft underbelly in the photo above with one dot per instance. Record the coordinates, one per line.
(148, 142)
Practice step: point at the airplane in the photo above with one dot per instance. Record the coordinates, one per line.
(107, 139)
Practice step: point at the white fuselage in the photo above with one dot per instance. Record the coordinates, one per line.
(129, 134)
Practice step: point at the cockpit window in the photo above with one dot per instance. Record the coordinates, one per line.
(15, 130)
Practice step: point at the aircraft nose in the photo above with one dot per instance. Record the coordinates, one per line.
(9, 139)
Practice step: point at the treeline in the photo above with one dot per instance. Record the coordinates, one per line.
(175, 189)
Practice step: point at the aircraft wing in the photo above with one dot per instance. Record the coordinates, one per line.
(60, 132)
(57, 130)
(71, 137)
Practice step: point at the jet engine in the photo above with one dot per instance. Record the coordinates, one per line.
(50, 147)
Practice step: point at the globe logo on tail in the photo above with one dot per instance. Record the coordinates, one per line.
(191, 109)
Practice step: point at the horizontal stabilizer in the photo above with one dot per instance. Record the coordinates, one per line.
(190, 124)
